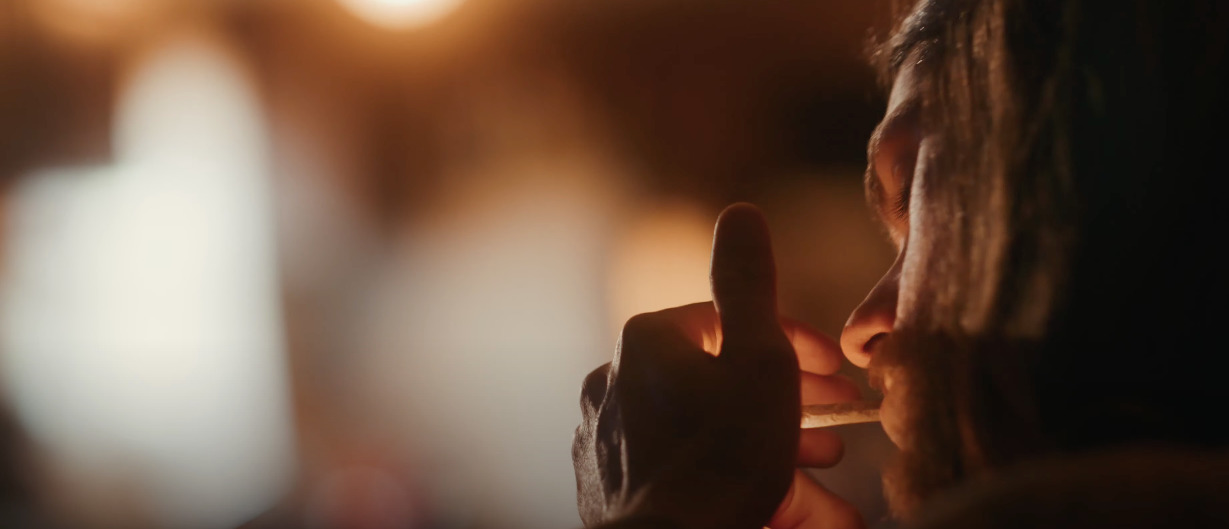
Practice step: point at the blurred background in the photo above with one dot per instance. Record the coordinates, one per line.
(344, 263)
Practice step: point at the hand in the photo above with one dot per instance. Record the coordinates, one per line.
(673, 434)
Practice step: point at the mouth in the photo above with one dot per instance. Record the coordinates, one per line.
(894, 408)
(886, 379)
(877, 377)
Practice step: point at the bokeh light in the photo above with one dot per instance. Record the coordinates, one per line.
(140, 322)
(93, 20)
(397, 14)
(348, 261)
(660, 260)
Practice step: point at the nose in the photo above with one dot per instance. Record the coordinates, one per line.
(874, 319)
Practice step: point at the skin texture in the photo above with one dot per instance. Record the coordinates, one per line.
(896, 152)
(898, 180)
(672, 435)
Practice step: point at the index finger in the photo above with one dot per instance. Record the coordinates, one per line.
(817, 353)
(744, 277)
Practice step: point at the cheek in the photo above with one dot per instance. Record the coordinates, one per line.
(920, 245)
(907, 299)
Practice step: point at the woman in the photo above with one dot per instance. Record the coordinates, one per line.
(1049, 173)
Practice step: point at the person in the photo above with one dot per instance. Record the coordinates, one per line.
(1048, 338)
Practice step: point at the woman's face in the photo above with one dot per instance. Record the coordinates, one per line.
(895, 189)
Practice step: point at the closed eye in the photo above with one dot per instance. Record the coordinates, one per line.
(904, 175)
(893, 156)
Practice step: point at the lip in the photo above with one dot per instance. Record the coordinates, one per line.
(891, 412)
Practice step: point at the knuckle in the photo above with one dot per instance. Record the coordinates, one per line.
(639, 325)
(593, 389)
(580, 440)
(639, 332)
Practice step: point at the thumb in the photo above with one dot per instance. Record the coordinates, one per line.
(744, 278)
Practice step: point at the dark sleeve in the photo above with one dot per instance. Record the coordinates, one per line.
(1130, 489)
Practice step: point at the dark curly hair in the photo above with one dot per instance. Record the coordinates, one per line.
(1073, 298)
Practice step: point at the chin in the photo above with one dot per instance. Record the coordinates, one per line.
(929, 458)
(902, 497)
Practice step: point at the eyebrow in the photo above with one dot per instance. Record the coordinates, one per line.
(916, 38)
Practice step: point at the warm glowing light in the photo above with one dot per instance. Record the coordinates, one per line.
(139, 316)
(401, 13)
(91, 20)
(661, 261)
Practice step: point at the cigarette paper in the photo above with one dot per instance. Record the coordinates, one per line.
(825, 415)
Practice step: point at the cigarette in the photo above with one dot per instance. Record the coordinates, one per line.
(825, 415)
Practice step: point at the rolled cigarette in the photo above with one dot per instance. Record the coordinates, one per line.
(825, 415)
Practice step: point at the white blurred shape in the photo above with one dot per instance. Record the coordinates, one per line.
(140, 317)
(401, 13)
(483, 337)
(660, 260)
